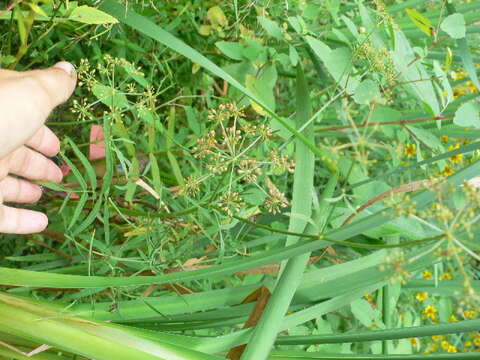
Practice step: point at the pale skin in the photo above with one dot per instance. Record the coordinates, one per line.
(26, 101)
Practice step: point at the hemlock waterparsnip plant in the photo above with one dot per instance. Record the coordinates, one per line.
(252, 180)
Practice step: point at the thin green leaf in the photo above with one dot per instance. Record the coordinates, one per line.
(388, 334)
(92, 177)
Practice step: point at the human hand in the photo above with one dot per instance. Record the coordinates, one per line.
(26, 100)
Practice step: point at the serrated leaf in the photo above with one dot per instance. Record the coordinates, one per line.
(454, 26)
(89, 15)
(468, 115)
(420, 21)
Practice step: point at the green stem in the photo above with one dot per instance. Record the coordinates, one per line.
(270, 323)
(22, 50)
(388, 334)
(292, 355)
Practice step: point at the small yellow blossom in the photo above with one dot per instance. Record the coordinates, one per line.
(413, 341)
(452, 349)
(445, 276)
(438, 337)
(430, 312)
(421, 296)
(455, 158)
(444, 138)
(368, 297)
(410, 149)
(469, 314)
(427, 275)
(452, 318)
(459, 75)
(445, 345)
(476, 341)
(447, 171)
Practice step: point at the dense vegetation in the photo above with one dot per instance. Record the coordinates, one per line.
(297, 176)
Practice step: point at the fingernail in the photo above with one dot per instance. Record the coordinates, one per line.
(65, 66)
(37, 222)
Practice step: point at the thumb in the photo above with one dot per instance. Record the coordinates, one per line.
(57, 82)
(27, 98)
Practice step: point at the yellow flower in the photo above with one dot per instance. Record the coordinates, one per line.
(447, 171)
(452, 318)
(410, 149)
(427, 275)
(445, 345)
(368, 297)
(445, 276)
(430, 312)
(444, 138)
(476, 341)
(455, 158)
(438, 337)
(421, 296)
(459, 75)
(452, 349)
(413, 341)
(469, 314)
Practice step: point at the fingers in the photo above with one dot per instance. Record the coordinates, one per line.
(21, 221)
(19, 190)
(45, 142)
(26, 100)
(32, 165)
